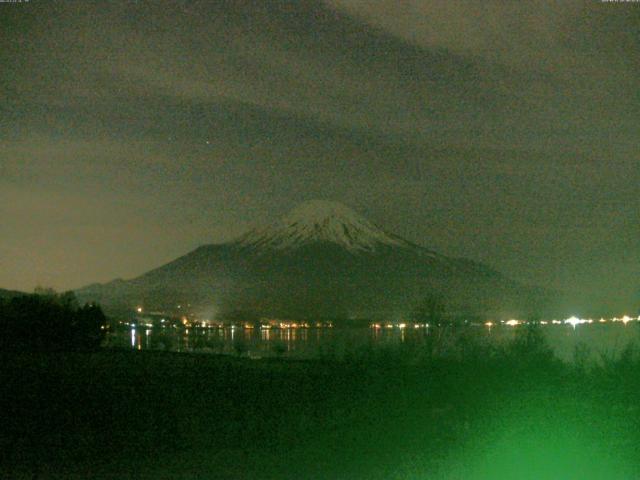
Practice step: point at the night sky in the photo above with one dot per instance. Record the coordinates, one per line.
(505, 132)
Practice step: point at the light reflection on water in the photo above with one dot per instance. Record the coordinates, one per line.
(596, 339)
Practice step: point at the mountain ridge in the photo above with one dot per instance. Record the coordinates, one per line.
(8, 294)
(321, 259)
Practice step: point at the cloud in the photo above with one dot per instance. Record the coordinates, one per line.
(459, 122)
(537, 34)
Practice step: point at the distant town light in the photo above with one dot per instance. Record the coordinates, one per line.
(513, 322)
(139, 309)
(573, 321)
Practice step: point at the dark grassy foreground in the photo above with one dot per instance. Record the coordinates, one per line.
(515, 413)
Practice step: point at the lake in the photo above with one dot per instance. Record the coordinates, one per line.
(593, 340)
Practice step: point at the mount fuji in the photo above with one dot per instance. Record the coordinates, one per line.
(319, 221)
(321, 260)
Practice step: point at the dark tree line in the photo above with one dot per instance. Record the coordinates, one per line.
(430, 309)
(46, 321)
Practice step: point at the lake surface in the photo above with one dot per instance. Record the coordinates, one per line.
(594, 340)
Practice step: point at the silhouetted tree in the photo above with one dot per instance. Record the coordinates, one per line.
(89, 327)
(431, 310)
(47, 321)
(530, 345)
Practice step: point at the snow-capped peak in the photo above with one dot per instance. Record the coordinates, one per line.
(322, 221)
(319, 211)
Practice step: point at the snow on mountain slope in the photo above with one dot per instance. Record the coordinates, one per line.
(322, 221)
(321, 259)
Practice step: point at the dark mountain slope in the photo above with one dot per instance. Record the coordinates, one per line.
(322, 259)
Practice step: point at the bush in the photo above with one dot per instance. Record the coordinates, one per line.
(50, 322)
(530, 351)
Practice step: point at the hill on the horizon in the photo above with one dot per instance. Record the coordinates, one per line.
(4, 294)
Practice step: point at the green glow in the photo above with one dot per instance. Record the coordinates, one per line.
(545, 441)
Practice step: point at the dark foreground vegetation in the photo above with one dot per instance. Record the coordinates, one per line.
(409, 413)
(48, 321)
